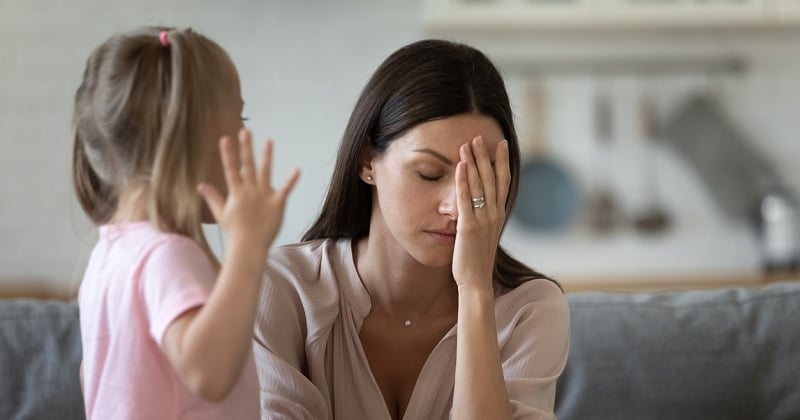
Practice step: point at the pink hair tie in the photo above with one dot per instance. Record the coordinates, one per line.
(163, 38)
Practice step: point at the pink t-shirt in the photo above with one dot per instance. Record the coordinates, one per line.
(138, 281)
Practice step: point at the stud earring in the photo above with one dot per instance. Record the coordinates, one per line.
(369, 178)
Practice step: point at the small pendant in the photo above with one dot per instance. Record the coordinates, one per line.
(407, 323)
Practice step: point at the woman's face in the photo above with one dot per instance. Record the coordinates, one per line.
(414, 205)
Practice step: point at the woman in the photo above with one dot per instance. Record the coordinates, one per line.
(400, 302)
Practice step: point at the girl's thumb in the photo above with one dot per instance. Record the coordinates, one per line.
(213, 199)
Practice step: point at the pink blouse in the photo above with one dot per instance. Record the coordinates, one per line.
(311, 364)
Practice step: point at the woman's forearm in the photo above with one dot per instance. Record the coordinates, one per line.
(480, 389)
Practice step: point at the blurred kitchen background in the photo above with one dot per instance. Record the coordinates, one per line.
(660, 138)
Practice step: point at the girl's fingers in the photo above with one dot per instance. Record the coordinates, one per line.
(213, 200)
(503, 171)
(265, 171)
(485, 172)
(247, 162)
(230, 163)
(288, 186)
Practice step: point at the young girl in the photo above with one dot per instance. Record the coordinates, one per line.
(167, 331)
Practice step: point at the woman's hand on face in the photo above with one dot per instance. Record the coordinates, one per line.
(253, 210)
(479, 226)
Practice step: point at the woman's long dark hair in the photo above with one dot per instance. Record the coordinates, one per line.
(423, 81)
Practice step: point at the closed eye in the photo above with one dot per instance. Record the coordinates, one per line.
(430, 178)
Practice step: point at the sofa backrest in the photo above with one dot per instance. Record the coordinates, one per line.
(40, 355)
(717, 354)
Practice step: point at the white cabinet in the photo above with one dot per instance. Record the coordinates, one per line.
(576, 14)
(788, 10)
(679, 12)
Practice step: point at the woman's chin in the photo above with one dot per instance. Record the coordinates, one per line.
(438, 259)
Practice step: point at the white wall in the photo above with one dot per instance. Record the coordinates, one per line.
(302, 65)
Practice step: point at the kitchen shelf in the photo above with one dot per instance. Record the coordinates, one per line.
(514, 15)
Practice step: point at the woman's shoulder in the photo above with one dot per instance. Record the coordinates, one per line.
(533, 332)
(534, 290)
(301, 255)
(308, 268)
(300, 282)
(533, 296)
(308, 260)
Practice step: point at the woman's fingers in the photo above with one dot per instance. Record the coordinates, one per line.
(503, 173)
(485, 172)
(466, 213)
(473, 179)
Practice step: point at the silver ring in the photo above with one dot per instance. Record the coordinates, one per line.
(479, 202)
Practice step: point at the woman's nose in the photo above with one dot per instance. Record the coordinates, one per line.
(449, 205)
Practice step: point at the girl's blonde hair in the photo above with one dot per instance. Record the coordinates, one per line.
(143, 117)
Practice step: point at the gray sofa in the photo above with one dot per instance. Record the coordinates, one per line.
(40, 356)
(721, 354)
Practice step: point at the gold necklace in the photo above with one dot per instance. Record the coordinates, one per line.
(406, 322)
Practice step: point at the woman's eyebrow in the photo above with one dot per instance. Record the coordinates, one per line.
(435, 154)
(440, 156)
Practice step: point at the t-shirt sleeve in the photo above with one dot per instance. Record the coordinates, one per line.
(279, 351)
(176, 276)
(536, 351)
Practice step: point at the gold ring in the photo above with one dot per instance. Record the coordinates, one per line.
(479, 202)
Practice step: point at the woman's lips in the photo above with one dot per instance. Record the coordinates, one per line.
(441, 237)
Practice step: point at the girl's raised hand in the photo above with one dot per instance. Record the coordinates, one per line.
(253, 209)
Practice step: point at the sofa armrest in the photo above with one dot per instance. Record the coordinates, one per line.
(40, 355)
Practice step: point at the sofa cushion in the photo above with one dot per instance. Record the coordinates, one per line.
(40, 355)
(718, 354)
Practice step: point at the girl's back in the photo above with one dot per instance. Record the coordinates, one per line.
(137, 282)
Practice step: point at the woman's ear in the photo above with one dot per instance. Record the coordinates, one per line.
(367, 173)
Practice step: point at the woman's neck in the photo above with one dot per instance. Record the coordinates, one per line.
(402, 285)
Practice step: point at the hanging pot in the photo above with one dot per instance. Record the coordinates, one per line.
(548, 194)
